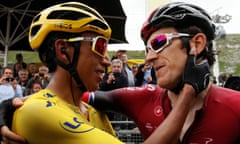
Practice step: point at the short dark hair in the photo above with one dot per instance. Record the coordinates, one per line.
(6, 67)
(19, 55)
(46, 51)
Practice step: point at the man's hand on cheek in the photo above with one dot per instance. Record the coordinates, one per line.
(197, 75)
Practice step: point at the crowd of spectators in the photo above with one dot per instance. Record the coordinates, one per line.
(22, 79)
(136, 74)
(31, 78)
(25, 78)
(121, 74)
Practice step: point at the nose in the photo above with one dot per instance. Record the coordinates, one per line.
(150, 56)
(106, 61)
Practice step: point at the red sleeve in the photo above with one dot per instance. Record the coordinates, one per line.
(132, 100)
(85, 96)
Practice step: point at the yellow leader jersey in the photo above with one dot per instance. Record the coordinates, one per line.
(47, 119)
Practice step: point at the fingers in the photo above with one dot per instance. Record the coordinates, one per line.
(9, 137)
(17, 102)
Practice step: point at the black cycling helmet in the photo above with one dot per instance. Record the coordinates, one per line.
(182, 14)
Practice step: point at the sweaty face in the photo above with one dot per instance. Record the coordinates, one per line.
(169, 63)
(91, 67)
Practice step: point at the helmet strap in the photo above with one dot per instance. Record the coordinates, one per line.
(71, 68)
(179, 87)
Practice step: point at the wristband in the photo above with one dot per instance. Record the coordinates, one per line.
(88, 97)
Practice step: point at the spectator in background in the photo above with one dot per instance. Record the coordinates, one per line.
(9, 87)
(127, 70)
(41, 76)
(135, 69)
(114, 79)
(20, 64)
(35, 87)
(233, 82)
(145, 75)
(23, 79)
(32, 69)
(117, 54)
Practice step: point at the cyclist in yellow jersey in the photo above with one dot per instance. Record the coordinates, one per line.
(71, 39)
(46, 118)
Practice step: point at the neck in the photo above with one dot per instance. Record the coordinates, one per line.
(199, 98)
(66, 88)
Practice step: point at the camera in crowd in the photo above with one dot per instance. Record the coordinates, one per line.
(41, 74)
(116, 74)
(9, 79)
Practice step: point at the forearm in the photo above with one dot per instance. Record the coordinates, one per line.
(169, 131)
(103, 101)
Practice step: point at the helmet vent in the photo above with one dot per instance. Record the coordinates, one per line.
(36, 18)
(83, 7)
(97, 23)
(35, 29)
(67, 15)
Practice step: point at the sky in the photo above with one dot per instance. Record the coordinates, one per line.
(136, 15)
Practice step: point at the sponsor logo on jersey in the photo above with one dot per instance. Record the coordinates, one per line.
(76, 126)
(150, 127)
(158, 111)
(206, 140)
(151, 87)
(48, 95)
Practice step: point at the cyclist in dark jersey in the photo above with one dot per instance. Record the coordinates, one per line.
(217, 118)
(184, 107)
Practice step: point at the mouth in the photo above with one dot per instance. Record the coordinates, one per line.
(157, 68)
(100, 74)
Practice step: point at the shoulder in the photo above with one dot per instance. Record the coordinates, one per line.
(40, 105)
(19, 87)
(37, 104)
(44, 116)
(2, 86)
(5, 88)
(40, 115)
(223, 94)
(224, 97)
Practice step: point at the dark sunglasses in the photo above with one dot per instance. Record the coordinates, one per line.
(162, 41)
(99, 45)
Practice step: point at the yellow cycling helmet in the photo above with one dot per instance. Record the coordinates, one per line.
(72, 17)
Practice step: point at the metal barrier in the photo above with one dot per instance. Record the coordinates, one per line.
(127, 132)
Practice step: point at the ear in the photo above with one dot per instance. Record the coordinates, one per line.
(198, 43)
(61, 50)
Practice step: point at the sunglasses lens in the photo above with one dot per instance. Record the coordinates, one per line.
(158, 42)
(101, 46)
